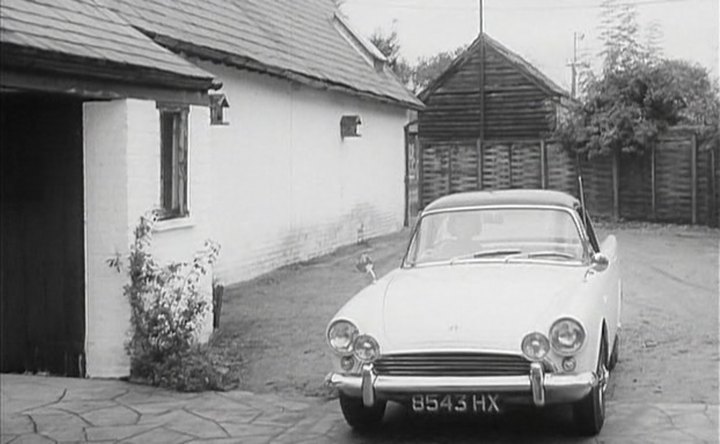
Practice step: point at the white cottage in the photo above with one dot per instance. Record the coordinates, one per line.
(268, 126)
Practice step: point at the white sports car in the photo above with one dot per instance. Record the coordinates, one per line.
(503, 298)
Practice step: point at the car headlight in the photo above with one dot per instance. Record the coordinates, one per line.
(535, 346)
(341, 336)
(366, 348)
(567, 336)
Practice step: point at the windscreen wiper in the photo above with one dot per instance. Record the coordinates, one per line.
(485, 253)
(535, 254)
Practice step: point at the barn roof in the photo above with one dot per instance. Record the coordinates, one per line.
(530, 71)
(54, 32)
(307, 41)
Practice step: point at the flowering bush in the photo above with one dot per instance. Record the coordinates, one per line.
(167, 308)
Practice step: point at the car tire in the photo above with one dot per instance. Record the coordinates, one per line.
(358, 416)
(589, 412)
(615, 355)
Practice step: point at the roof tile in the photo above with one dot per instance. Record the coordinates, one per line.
(297, 36)
(286, 36)
(87, 29)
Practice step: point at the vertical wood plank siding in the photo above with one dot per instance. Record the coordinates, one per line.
(704, 187)
(561, 171)
(665, 182)
(435, 173)
(597, 176)
(635, 186)
(447, 168)
(674, 200)
(496, 167)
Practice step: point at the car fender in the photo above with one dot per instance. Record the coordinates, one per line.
(362, 309)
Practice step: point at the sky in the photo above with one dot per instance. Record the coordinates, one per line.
(541, 31)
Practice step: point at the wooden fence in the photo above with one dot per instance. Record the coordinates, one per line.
(675, 181)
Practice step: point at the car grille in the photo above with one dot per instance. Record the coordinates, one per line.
(452, 364)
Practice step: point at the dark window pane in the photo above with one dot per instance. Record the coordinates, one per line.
(173, 163)
(166, 161)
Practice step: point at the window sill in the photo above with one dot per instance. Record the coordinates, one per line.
(174, 224)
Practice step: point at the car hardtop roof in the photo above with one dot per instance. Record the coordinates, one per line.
(503, 197)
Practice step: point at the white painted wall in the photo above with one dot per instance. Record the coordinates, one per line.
(178, 239)
(276, 186)
(122, 171)
(286, 186)
(106, 232)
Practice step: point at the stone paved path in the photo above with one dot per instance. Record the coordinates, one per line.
(58, 410)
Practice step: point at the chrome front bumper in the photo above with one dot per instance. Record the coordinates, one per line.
(538, 387)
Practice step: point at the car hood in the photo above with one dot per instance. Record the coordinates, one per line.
(474, 306)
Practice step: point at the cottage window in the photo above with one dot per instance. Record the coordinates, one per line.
(173, 161)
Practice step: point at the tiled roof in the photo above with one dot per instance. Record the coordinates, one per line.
(88, 30)
(294, 38)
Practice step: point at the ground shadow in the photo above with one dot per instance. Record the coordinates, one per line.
(522, 425)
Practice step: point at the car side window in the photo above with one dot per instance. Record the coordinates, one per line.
(590, 230)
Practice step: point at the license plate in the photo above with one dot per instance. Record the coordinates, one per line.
(460, 403)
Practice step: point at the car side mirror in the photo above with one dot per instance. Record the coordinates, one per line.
(600, 262)
(365, 265)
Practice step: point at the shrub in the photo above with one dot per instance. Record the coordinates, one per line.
(166, 309)
(197, 369)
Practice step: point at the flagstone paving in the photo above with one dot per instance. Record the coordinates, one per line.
(59, 410)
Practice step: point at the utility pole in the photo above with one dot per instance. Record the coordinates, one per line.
(481, 42)
(574, 64)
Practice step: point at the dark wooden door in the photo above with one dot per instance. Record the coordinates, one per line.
(42, 241)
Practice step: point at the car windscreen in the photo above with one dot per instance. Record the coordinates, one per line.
(496, 234)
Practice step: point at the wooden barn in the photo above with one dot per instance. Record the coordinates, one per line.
(462, 149)
(453, 147)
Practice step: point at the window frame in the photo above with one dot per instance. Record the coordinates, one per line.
(411, 249)
(589, 229)
(174, 189)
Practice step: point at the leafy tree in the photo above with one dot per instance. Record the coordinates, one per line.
(653, 40)
(388, 44)
(637, 95)
(405, 72)
(415, 76)
(428, 69)
(619, 34)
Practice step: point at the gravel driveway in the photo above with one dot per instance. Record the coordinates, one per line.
(670, 318)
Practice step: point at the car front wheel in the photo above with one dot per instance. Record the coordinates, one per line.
(358, 416)
(589, 413)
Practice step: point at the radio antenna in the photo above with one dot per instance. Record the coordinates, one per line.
(582, 200)
(582, 190)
